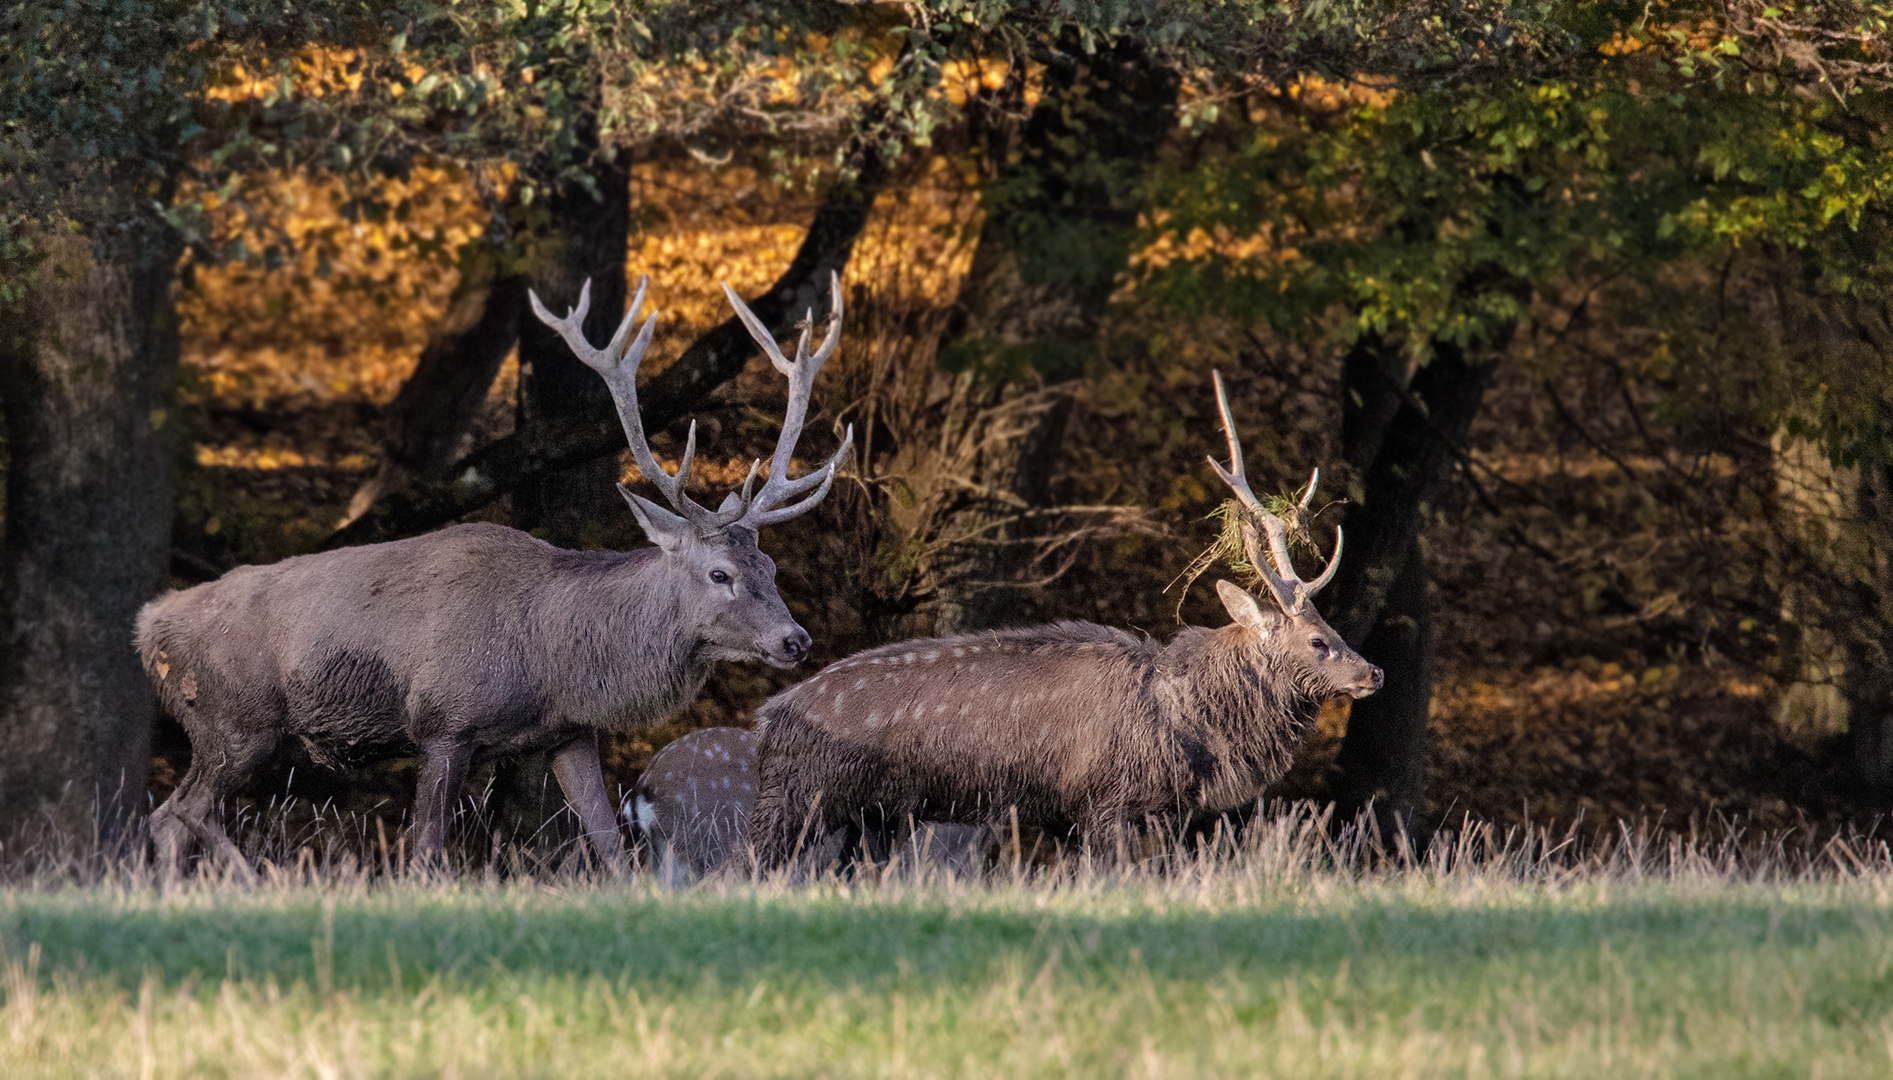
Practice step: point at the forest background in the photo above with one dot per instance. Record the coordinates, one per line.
(1581, 308)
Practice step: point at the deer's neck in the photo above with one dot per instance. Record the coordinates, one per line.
(616, 651)
(1247, 709)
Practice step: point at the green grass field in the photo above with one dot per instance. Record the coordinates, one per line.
(1264, 962)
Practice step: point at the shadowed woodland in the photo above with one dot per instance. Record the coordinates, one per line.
(1583, 310)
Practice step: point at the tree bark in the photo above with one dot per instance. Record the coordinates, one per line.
(588, 238)
(1402, 435)
(711, 360)
(1866, 603)
(1060, 218)
(424, 428)
(87, 365)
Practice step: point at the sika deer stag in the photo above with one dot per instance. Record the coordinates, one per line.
(480, 640)
(1083, 728)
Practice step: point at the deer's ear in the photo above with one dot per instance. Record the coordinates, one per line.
(1243, 608)
(665, 529)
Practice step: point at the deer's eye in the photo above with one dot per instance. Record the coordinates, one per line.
(719, 577)
(1320, 646)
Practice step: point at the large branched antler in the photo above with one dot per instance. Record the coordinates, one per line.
(1290, 591)
(618, 363)
(759, 508)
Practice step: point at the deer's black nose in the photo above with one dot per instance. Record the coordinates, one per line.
(795, 646)
(1377, 678)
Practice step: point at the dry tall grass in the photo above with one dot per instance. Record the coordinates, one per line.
(1290, 948)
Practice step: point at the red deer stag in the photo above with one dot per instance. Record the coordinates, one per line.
(478, 640)
(1083, 729)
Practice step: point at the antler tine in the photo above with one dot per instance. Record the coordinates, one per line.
(757, 331)
(1235, 476)
(1334, 563)
(1278, 569)
(1283, 589)
(618, 363)
(833, 337)
(821, 479)
(760, 508)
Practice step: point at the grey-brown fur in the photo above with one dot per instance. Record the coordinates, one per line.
(1085, 729)
(692, 803)
(691, 807)
(482, 640)
(472, 641)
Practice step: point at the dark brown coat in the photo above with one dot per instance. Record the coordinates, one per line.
(1085, 729)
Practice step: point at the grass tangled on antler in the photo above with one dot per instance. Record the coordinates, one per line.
(1230, 548)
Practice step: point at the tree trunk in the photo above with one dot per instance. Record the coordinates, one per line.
(1060, 217)
(424, 428)
(87, 365)
(1402, 436)
(1383, 758)
(587, 238)
(1866, 604)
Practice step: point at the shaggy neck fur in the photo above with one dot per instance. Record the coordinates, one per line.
(622, 654)
(1250, 707)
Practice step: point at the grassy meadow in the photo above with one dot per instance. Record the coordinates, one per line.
(1284, 954)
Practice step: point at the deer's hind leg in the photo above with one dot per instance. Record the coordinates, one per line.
(223, 761)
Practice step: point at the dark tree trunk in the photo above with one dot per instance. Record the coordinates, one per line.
(1384, 756)
(424, 429)
(87, 365)
(1403, 437)
(588, 238)
(1060, 218)
(708, 363)
(1866, 605)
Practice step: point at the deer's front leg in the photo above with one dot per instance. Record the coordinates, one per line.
(443, 769)
(583, 781)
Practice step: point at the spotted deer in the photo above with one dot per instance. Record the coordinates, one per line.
(477, 640)
(1084, 731)
(692, 803)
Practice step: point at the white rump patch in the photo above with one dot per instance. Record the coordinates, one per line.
(646, 814)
